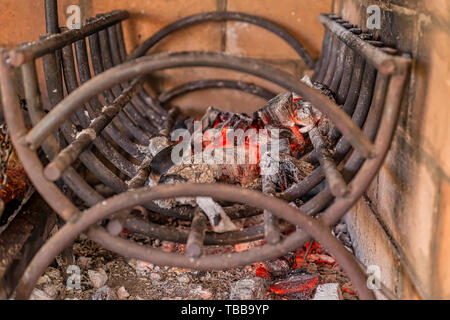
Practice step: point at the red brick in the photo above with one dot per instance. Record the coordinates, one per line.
(442, 275)
(371, 244)
(299, 17)
(408, 208)
(434, 123)
(147, 17)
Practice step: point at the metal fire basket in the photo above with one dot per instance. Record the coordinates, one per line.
(366, 76)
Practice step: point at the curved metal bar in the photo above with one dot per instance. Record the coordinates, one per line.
(100, 48)
(215, 84)
(222, 16)
(319, 72)
(131, 109)
(34, 50)
(95, 106)
(382, 61)
(281, 209)
(31, 162)
(100, 143)
(146, 97)
(87, 157)
(153, 63)
(343, 147)
(140, 105)
(51, 147)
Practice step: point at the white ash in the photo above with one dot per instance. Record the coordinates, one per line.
(89, 132)
(98, 278)
(38, 294)
(122, 293)
(218, 218)
(328, 291)
(51, 290)
(157, 144)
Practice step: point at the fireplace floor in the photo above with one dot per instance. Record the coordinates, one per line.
(107, 276)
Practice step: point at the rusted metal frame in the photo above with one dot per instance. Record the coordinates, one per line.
(352, 94)
(358, 109)
(196, 238)
(51, 147)
(116, 158)
(150, 118)
(292, 241)
(370, 126)
(336, 51)
(272, 233)
(215, 84)
(383, 62)
(320, 63)
(371, 166)
(335, 181)
(222, 16)
(85, 138)
(347, 78)
(122, 119)
(344, 85)
(144, 109)
(125, 118)
(331, 68)
(53, 77)
(172, 60)
(343, 147)
(350, 102)
(154, 105)
(219, 192)
(165, 233)
(32, 164)
(138, 120)
(342, 65)
(328, 53)
(337, 76)
(364, 99)
(320, 69)
(311, 208)
(95, 106)
(87, 157)
(51, 16)
(58, 41)
(341, 201)
(116, 224)
(171, 119)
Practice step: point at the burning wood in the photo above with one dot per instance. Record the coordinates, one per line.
(299, 284)
(260, 152)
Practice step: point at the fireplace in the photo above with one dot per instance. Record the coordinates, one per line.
(118, 155)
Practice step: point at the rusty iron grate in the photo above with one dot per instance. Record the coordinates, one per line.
(366, 76)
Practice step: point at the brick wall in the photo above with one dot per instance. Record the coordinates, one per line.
(25, 21)
(405, 216)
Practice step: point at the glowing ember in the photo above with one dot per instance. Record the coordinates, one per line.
(301, 285)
